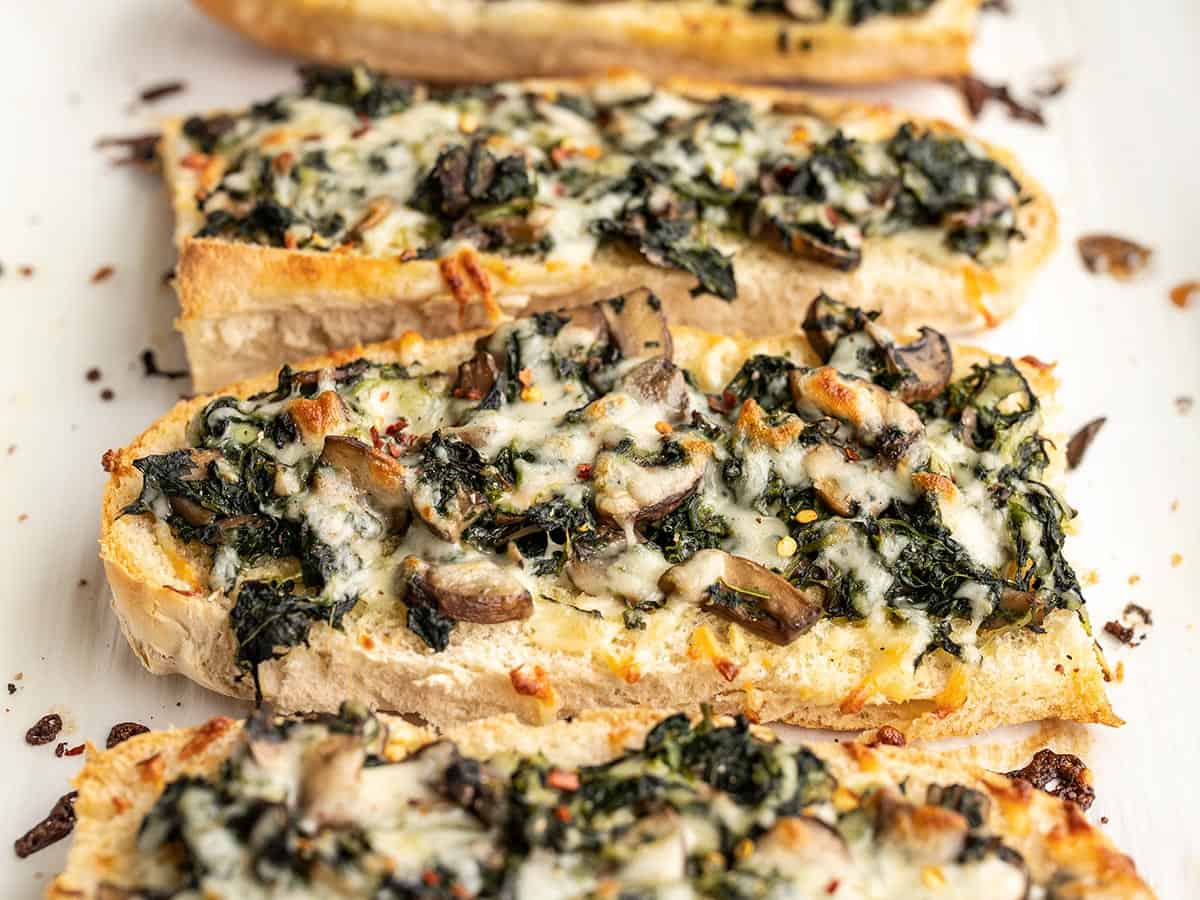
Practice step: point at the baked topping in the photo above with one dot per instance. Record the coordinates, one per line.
(565, 478)
(317, 807)
(363, 163)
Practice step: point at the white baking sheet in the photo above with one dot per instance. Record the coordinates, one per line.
(1121, 153)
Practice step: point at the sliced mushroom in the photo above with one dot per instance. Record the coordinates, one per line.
(871, 412)
(628, 492)
(191, 512)
(373, 473)
(657, 381)
(460, 511)
(476, 591)
(803, 847)
(827, 253)
(330, 779)
(923, 368)
(828, 321)
(841, 484)
(476, 377)
(746, 593)
(927, 835)
(630, 573)
(638, 325)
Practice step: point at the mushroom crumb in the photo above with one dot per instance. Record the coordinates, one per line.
(1107, 254)
(159, 91)
(56, 826)
(44, 730)
(977, 93)
(122, 732)
(1061, 774)
(1081, 440)
(1133, 626)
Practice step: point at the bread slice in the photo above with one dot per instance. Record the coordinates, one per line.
(1057, 845)
(553, 658)
(469, 40)
(249, 305)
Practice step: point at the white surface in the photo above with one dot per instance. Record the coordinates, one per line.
(1121, 154)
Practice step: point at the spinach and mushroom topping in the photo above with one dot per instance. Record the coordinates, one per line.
(569, 462)
(357, 161)
(713, 810)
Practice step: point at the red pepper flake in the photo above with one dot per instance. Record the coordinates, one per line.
(375, 438)
(159, 91)
(727, 667)
(364, 125)
(396, 427)
(76, 750)
(832, 887)
(525, 377)
(60, 748)
(93, 374)
(583, 471)
(562, 813)
(25, 271)
(102, 274)
(431, 878)
(385, 395)
(563, 780)
(394, 451)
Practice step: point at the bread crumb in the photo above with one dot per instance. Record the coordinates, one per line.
(1135, 578)
(1176, 560)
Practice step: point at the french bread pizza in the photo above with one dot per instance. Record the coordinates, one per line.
(847, 41)
(590, 509)
(361, 206)
(613, 804)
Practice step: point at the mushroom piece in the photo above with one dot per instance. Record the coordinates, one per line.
(927, 835)
(330, 779)
(874, 414)
(191, 511)
(637, 325)
(804, 848)
(629, 492)
(827, 253)
(477, 591)
(476, 377)
(805, 10)
(657, 381)
(923, 368)
(372, 473)
(746, 593)
(827, 321)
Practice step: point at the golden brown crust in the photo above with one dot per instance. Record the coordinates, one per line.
(247, 308)
(836, 676)
(115, 793)
(467, 40)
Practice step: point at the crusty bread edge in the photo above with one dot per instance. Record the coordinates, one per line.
(247, 308)
(456, 40)
(174, 624)
(118, 786)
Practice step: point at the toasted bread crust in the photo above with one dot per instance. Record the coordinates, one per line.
(118, 786)
(835, 676)
(465, 40)
(246, 308)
